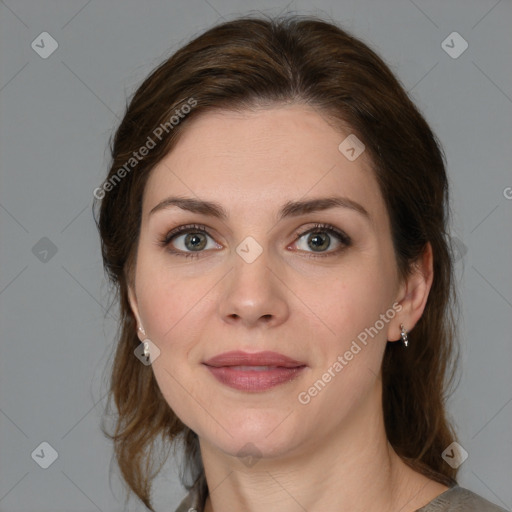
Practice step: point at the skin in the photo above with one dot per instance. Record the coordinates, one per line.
(331, 453)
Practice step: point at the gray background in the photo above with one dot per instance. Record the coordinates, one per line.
(56, 116)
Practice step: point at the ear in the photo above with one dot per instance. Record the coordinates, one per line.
(132, 299)
(413, 294)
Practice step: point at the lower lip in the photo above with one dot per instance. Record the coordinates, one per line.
(254, 380)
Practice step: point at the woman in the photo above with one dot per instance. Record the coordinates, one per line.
(275, 222)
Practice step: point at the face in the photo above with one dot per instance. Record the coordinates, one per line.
(252, 261)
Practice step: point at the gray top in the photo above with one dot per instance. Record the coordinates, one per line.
(455, 499)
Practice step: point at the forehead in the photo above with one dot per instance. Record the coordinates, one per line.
(246, 160)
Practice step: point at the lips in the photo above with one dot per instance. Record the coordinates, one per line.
(238, 358)
(253, 372)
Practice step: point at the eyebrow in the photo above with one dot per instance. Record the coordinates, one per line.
(289, 209)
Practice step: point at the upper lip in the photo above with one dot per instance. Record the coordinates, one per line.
(239, 358)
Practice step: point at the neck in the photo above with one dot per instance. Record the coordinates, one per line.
(353, 469)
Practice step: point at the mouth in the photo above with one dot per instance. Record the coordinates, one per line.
(254, 372)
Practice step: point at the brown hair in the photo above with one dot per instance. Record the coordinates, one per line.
(243, 64)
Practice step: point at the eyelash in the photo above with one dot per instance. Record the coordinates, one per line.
(196, 228)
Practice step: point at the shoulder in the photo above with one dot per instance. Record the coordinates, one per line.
(460, 499)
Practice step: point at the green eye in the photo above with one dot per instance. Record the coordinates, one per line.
(320, 238)
(187, 240)
(319, 241)
(195, 241)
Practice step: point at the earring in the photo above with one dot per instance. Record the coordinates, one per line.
(146, 350)
(142, 331)
(403, 335)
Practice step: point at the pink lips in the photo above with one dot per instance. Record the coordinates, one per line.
(253, 372)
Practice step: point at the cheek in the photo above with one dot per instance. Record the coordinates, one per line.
(167, 295)
(350, 339)
(171, 310)
(170, 306)
(345, 302)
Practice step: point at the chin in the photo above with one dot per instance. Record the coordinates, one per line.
(249, 450)
(266, 439)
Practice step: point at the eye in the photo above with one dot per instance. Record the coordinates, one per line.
(192, 239)
(189, 239)
(322, 237)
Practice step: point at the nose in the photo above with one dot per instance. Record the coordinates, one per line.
(253, 294)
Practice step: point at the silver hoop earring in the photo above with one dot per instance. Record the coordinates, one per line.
(403, 335)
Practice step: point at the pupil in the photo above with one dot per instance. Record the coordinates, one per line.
(319, 240)
(195, 241)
